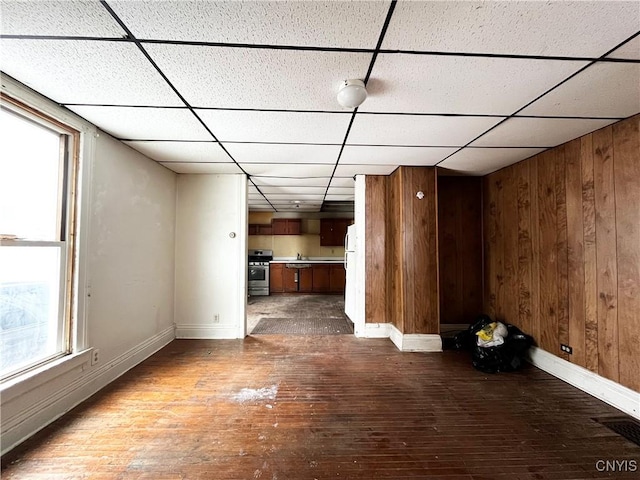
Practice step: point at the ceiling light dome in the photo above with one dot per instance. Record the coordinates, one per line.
(352, 93)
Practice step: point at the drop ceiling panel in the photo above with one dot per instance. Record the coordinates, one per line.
(252, 78)
(277, 197)
(417, 130)
(538, 132)
(269, 153)
(286, 170)
(204, 168)
(86, 72)
(340, 197)
(481, 161)
(293, 190)
(394, 155)
(425, 83)
(290, 182)
(62, 18)
(241, 126)
(145, 123)
(602, 90)
(588, 28)
(195, 152)
(630, 50)
(343, 181)
(344, 170)
(328, 24)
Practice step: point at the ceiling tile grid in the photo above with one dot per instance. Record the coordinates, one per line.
(464, 85)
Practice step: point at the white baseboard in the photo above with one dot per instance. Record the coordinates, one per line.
(375, 330)
(212, 332)
(53, 399)
(415, 342)
(613, 393)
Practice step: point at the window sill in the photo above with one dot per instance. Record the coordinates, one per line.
(26, 382)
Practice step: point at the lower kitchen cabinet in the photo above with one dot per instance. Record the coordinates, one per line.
(276, 281)
(318, 278)
(321, 275)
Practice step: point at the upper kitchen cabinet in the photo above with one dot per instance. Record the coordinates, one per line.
(286, 226)
(260, 229)
(333, 231)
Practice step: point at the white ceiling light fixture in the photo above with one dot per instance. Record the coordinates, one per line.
(352, 93)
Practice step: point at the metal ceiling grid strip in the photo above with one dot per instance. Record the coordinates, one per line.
(582, 69)
(385, 26)
(254, 46)
(166, 79)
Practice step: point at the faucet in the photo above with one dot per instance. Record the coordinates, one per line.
(299, 257)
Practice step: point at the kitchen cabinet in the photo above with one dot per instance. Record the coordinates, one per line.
(316, 278)
(333, 230)
(286, 226)
(321, 275)
(290, 279)
(337, 278)
(305, 280)
(276, 280)
(260, 229)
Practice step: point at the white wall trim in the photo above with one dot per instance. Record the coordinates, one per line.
(415, 342)
(608, 391)
(25, 422)
(207, 332)
(375, 330)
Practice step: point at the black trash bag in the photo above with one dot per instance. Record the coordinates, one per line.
(503, 358)
(466, 340)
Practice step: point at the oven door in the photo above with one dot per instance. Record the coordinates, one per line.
(258, 277)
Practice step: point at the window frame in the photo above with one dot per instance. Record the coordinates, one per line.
(66, 230)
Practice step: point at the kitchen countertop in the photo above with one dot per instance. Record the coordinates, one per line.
(310, 260)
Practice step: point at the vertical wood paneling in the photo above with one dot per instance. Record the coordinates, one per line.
(451, 308)
(510, 246)
(561, 249)
(375, 249)
(460, 248)
(548, 269)
(412, 251)
(498, 256)
(489, 245)
(420, 260)
(604, 191)
(525, 254)
(575, 252)
(536, 316)
(393, 252)
(626, 145)
(580, 262)
(590, 271)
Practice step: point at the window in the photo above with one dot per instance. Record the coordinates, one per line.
(37, 191)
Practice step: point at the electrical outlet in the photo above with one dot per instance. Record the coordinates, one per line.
(95, 356)
(566, 348)
(216, 318)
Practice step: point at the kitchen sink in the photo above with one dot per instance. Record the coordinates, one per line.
(298, 265)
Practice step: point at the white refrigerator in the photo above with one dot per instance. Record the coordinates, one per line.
(350, 266)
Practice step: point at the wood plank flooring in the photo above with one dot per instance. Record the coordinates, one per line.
(328, 407)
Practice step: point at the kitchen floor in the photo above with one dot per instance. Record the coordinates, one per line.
(294, 305)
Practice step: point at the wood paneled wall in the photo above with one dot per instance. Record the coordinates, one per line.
(562, 249)
(412, 251)
(375, 251)
(460, 248)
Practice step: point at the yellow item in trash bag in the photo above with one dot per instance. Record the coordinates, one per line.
(486, 333)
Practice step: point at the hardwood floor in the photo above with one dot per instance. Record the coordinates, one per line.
(323, 407)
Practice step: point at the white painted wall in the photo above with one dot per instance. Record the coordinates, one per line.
(125, 277)
(131, 248)
(211, 266)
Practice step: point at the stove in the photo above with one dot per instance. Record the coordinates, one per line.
(259, 272)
